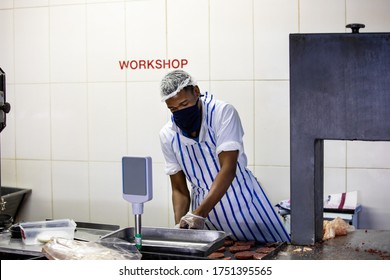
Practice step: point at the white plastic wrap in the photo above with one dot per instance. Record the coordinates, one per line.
(108, 249)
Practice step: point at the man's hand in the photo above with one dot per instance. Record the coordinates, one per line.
(192, 221)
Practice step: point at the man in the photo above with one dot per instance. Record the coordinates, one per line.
(202, 144)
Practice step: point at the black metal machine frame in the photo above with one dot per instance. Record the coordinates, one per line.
(339, 90)
(4, 109)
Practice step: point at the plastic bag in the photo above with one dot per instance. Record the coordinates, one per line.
(110, 249)
(122, 246)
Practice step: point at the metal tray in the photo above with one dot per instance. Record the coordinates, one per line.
(174, 241)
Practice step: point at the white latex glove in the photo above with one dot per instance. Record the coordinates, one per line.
(192, 221)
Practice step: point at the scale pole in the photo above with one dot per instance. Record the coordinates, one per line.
(138, 235)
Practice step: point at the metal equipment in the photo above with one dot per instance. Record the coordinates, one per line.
(137, 188)
(5, 107)
(339, 90)
(160, 242)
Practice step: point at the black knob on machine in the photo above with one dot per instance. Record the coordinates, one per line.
(355, 27)
(6, 107)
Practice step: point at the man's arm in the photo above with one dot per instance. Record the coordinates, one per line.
(225, 176)
(180, 195)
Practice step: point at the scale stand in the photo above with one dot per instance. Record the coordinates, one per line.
(137, 188)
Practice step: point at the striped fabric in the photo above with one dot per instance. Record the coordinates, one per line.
(245, 210)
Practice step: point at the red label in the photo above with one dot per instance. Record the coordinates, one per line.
(152, 64)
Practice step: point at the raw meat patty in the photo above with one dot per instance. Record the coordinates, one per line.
(243, 243)
(235, 249)
(264, 250)
(216, 255)
(244, 255)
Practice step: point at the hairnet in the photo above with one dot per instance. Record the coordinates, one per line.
(174, 82)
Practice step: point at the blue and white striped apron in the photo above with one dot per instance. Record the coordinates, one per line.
(244, 211)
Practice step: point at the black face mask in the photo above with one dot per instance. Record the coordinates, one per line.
(188, 119)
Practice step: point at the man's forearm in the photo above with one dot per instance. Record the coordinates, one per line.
(181, 205)
(220, 185)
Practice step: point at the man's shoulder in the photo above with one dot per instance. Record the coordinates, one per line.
(222, 107)
(167, 130)
(217, 105)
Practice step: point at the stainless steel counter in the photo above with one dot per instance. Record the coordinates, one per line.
(16, 249)
(356, 245)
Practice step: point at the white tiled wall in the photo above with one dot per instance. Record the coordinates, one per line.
(68, 44)
(106, 42)
(231, 40)
(69, 122)
(105, 193)
(273, 22)
(188, 35)
(32, 121)
(75, 112)
(239, 93)
(322, 16)
(146, 37)
(7, 31)
(36, 175)
(374, 14)
(272, 119)
(32, 48)
(7, 4)
(107, 137)
(146, 114)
